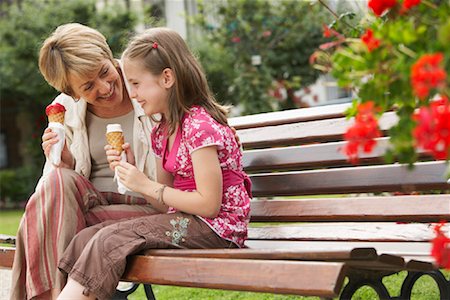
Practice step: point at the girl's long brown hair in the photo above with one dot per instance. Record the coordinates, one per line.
(190, 87)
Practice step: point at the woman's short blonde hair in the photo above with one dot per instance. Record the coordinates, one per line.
(73, 49)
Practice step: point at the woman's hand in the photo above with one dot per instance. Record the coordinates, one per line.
(113, 156)
(131, 177)
(49, 138)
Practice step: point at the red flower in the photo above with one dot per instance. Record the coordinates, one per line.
(267, 33)
(362, 135)
(329, 32)
(235, 39)
(432, 132)
(440, 249)
(379, 6)
(407, 4)
(371, 42)
(326, 31)
(426, 74)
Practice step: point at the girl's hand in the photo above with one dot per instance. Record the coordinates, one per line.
(113, 156)
(49, 138)
(131, 177)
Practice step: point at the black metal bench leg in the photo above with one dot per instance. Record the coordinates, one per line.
(359, 280)
(124, 293)
(438, 277)
(149, 292)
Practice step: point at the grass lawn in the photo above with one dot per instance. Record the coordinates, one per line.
(425, 288)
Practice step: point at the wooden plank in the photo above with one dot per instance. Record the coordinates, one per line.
(6, 257)
(413, 208)
(416, 255)
(289, 116)
(312, 156)
(272, 254)
(307, 156)
(375, 232)
(365, 179)
(7, 239)
(394, 248)
(330, 130)
(361, 258)
(323, 279)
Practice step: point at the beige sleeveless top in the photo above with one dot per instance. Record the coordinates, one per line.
(101, 175)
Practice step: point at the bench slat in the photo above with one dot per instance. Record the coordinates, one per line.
(394, 248)
(376, 232)
(290, 116)
(6, 257)
(416, 255)
(331, 130)
(239, 274)
(307, 156)
(384, 178)
(417, 208)
(312, 156)
(7, 239)
(356, 257)
(276, 254)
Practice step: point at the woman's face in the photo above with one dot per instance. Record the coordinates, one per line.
(150, 91)
(103, 89)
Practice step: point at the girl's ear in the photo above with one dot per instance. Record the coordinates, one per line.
(168, 78)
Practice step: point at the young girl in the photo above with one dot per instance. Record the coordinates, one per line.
(202, 191)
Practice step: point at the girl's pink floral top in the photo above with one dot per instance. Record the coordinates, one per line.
(198, 130)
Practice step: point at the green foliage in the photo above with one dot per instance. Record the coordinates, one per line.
(15, 185)
(282, 33)
(24, 25)
(22, 31)
(383, 74)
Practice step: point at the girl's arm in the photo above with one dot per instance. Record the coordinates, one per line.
(207, 198)
(205, 201)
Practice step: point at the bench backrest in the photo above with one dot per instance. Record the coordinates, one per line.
(299, 153)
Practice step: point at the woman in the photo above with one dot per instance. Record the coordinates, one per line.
(77, 61)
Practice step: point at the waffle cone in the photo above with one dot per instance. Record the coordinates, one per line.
(115, 139)
(58, 117)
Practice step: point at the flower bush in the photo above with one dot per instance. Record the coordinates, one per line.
(396, 59)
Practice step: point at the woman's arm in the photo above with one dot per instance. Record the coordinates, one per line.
(205, 201)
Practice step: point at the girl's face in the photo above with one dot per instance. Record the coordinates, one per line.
(103, 89)
(151, 91)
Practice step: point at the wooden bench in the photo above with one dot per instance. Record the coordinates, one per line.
(315, 218)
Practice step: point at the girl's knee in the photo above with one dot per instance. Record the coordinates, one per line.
(85, 235)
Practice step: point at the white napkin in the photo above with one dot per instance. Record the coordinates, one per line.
(56, 150)
(122, 189)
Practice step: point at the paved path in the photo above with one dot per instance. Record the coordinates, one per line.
(5, 283)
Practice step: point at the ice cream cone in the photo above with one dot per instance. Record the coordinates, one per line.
(114, 136)
(55, 113)
(58, 117)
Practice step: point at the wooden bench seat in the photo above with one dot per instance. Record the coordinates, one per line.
(315, 218)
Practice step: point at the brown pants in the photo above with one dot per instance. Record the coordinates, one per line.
(64, 203)
(96, 257)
